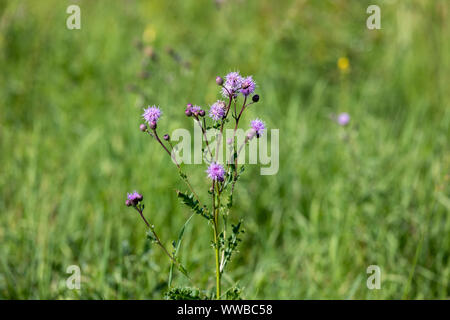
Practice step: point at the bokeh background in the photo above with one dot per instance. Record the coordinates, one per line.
(375, 192)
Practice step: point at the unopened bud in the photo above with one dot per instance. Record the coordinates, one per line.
(251, 134)
(255, 98)
(143, 127)
(219, 81)
(153, 125)
(188, 110)
(201, 113)
(166, 137)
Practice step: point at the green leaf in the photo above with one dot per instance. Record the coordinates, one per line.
(176, 245)
(182, 175)
(193, 203)
(232, 242)
(234, 293)
(185, 293)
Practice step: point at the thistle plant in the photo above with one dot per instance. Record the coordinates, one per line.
(220, 178)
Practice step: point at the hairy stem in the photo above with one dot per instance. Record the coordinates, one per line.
(204, 135)
(186, 180)
(158, 241)
(223, 123)
(216, 240)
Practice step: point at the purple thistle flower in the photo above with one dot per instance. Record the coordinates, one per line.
(194, 109)
(152, 114)
(134, 197)
(258, 126)
(343, 119)
(216, 172)
(232, 84)
(248, 86)
(217, 110)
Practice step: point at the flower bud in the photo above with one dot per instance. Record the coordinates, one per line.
(143, 127)
(153, 125)
(201, 113)
(255, 98)
(140, 197)
(219, 81)
(166, 137)
(251, 134)
(188, 112)
(128, 203)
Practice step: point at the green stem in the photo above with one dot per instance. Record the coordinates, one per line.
(217, 264)
(216, 239)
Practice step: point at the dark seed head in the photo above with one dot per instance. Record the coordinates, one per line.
(255, 98)
(219, 81)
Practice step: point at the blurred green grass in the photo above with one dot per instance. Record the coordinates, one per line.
(343, 199)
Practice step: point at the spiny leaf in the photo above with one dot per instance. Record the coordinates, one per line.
(193, 203)
(186, 293)
(232, 243)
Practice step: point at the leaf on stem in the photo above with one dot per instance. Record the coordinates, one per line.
(232, 243)
(193, 203)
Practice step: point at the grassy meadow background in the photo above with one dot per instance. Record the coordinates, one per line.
(375, 192)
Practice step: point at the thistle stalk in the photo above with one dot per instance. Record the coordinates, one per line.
(216, 238)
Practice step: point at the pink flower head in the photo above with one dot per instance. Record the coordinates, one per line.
(133, 198)
(248, 86)
(152, 114)
(133, 195)
(195, 109)
(258, 126)
(343, 119)
(216, 172)
(217, 110)
(232, 84)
